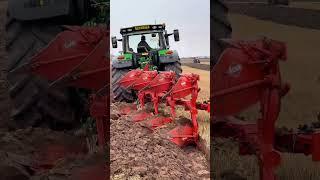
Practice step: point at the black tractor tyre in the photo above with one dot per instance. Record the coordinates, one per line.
(120, 93)
(175, 67)
(221, 28)
(35, 104)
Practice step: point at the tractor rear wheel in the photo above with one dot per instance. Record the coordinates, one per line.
(221, 27)
(175, 67)
(119, 93)
(35, 104)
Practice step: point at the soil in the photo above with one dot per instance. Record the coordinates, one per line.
(138, 153)
(300, 17)
(205, 67)
(35, 152)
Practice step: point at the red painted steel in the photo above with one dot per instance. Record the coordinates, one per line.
(66, 51)
(98, 110)
(158, 87)
(78, 57)
(186, 85)
(163, 86)
(141, 116)
(248, 73)
(183, 135)
(128, 80)
(158, 122)
(144, 80)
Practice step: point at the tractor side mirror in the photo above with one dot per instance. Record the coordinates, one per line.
(114, 42)
(176, 35)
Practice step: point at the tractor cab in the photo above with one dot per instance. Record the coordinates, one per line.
(143, 47)
(144, 44)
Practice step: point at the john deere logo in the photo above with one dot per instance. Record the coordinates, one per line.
(234, 70)
(137, 28)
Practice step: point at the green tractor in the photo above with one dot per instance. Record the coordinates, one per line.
(146, 45)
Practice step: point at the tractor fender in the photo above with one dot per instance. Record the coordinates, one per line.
(174, 57)
(121, 64)
(38, 9)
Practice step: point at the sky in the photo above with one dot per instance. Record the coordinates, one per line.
(190, 17)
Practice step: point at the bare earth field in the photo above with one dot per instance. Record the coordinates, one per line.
(306, 5)
(203, 65)
(138, 153)
(295, 16)
(301, 105)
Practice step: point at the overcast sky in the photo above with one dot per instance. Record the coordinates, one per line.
(191, 17)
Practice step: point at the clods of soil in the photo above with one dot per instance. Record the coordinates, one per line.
(37, 153)
(138, 153)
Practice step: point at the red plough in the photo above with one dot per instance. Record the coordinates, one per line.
(248, 73)
(78, 57)
(164, 87)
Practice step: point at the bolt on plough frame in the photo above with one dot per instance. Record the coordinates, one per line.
(247, 73)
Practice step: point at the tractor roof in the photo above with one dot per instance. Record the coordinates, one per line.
(142, 28)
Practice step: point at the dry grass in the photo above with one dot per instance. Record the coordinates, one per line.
(301, 105)
(294, 167)
(205, 63)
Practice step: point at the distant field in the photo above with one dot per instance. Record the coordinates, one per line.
(301, 14)
(204, 64)
(306, 5)
(190, 60)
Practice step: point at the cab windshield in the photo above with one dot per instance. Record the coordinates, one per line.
(153, 40)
